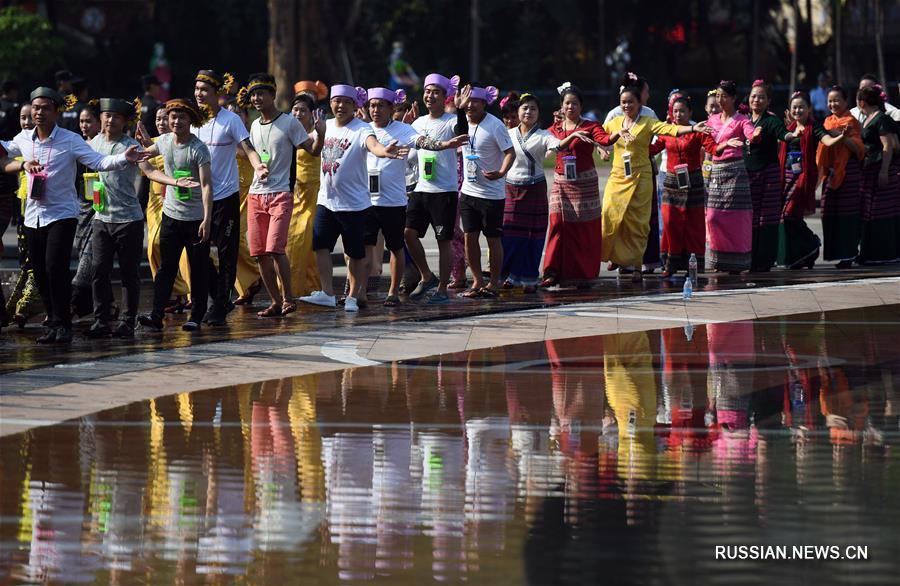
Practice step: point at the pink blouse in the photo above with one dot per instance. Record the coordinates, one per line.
(739, 126)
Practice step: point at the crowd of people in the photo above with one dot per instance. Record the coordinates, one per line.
(233, 207)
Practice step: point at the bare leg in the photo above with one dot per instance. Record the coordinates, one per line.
(270, 278)
(417, 252)
(495, 254)
(323, 261)
(357, 274)
(283, 268)
(398, 265)
(445, 263)
(473, 257)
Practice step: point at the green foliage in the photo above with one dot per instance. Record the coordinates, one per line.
(28, 40)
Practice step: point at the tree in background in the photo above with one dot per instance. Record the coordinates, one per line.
(26, 39)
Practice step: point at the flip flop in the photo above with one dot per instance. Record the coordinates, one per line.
(470, 294)
(488, 293)
(391, 301)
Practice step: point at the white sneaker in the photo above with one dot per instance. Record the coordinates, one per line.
(320, 298)
(350, 304)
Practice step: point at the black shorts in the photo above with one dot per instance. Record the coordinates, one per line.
(481, 215)
(437, 209)
(348, 225)
(391, 221)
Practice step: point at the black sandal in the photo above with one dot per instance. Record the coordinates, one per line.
(391, 301)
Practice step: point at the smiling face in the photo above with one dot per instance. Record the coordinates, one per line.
(836, 103)
(475, 109)
(262, 99)
(799, 110)
(434, 97)
(179, 122)
(571, 107)
(629, 103)
(712, 105)
(205, 93)
(88, 124)
(26, 122)
(759, 100)
(301, 112)
(343, 109)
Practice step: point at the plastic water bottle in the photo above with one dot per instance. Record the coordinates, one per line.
(692, 269)
(688, 290)
(689, 332)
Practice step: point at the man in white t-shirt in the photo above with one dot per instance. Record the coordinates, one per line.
(222, 135)
(275, 136)
(488, 156)
(435, 199)
(869, 80)
(344, 195)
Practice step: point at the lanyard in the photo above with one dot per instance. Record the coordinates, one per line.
(570, 148)
(212, 131)
(472, 139)
(171, 156)
(265, 146)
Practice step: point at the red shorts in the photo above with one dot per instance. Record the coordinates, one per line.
(268, 221)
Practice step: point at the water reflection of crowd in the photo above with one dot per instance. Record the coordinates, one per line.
(471, 463)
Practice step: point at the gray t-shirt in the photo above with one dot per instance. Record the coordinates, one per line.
(121, 187)
(275, 142)
(184, 157)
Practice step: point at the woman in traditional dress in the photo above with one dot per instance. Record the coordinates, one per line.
(304, 270)
(879, 240)
(839, 171)
(798, 246)
(526, 211)
(574, 238)
(765, 175)
(627, 200)
(728, 208)
(82, 293)
(684, 196)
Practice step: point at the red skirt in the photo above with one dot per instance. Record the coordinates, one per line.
(574, 235)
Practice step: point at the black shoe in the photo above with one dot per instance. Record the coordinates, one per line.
(63, 335)
(98, 329)
(214, 318)
(49, 337)
(124, 330)
(150, 321)
(190, 326)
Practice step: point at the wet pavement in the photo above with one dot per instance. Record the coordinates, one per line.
(18, 351)
(616, 459)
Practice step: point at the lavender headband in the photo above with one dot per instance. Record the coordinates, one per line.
(380, 93)
(488, 94)
(448, 85)
(357, 94)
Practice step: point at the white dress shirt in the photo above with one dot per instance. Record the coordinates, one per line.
(59, 154)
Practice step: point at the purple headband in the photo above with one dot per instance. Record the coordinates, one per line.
(488, 94)
(380, 93)
(448, 85)
(357, 94)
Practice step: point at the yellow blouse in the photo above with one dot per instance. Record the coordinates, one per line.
(643, 132)
(308, 166)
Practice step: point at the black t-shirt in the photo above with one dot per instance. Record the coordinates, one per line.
(880, 125)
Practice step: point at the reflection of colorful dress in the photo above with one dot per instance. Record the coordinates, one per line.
(627, 201)
(305, 273)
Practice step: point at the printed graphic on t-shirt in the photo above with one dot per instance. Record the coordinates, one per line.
(332, 153)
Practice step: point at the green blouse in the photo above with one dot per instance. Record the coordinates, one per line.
(759, 155)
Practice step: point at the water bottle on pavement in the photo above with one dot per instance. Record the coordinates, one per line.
(692, 269)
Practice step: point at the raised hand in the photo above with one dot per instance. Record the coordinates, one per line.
(702, 127)
(319, 122)
(410, 116)
(735, 142)
(462, 98)
(142, 136)
(457, 141)
(394, 151)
